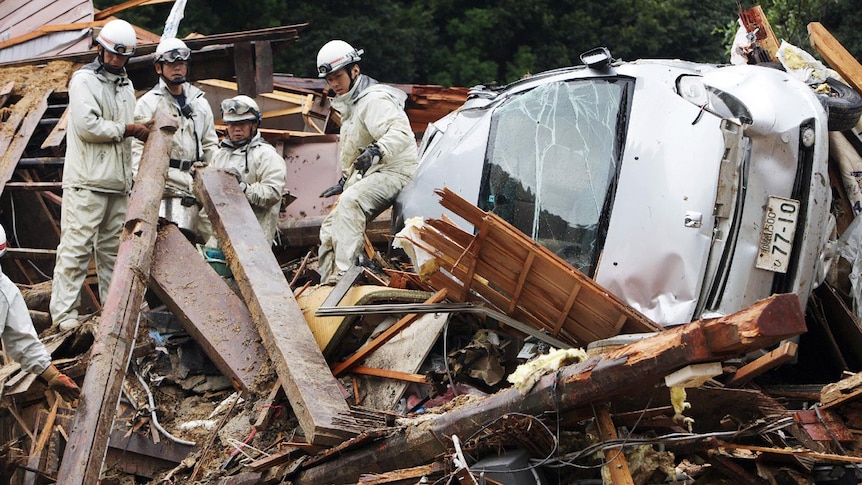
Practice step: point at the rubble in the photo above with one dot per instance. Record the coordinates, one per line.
(398, 374)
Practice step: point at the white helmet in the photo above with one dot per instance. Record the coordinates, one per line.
(172, 50)
(239, 108)
(335, 55)
(118, 36)
(3, 244)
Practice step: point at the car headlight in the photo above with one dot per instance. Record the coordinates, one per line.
(715, 101)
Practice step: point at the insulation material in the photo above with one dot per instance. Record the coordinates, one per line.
(529, 373)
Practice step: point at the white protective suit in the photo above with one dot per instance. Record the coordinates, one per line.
(370, 113)
(97, 179)
(16, 329)
(264, 170)
(195, 139)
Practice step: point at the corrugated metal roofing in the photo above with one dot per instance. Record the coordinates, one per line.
(21, 17)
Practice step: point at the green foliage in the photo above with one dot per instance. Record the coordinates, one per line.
(465, 43)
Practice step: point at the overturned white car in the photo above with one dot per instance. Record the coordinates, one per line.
(688, 190)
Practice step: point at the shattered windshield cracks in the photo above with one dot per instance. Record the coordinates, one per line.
(551, 162)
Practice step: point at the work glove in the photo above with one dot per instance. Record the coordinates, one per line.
(369, 156)
(139, 130)
(197, 166)
(242, 183)
(335, 189)
(61, 383)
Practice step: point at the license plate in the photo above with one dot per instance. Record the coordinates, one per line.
(776, 237)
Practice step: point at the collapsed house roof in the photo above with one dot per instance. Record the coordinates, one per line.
(393, 375)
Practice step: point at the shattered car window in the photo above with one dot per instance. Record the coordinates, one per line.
(551, 161)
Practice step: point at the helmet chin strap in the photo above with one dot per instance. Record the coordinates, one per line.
(111, 69)
(352, 77)
(175, 82)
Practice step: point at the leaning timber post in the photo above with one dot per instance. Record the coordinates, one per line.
(311, 389)
(596, 380)
(115, 337)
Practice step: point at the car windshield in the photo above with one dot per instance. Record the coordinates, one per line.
(551, 163)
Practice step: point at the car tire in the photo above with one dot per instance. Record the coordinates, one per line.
(843, 104)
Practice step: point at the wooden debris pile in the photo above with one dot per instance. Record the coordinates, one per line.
(262, 377)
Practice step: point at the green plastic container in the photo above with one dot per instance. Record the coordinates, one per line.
(216, 259)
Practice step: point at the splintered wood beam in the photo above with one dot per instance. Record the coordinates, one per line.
(184, 281)
(846, 389)
(314, 395)
(10, 156)
(115, 337)
(599, 379)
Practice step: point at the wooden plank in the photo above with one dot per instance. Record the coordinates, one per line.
(30, 253)
(754, 18)
(313, 393)
(835, 55)
(9, 126)
(58, 134)
(9, 159)
(19, 141)
(401, 357)
(243, 61)
(188, 286)
(472, 253)
(136, 454)
(38, 446)
(263, 66)
(846, 389)
(388, 374)
(292, 98)
(115, 336)
(266, 413)
(384, 337)
(522, 278)
(283, 456)
(763, 364)
(34, 186)
(5, 91)
(132, 442)
(797, 452)
(111, 11)
(615, 460)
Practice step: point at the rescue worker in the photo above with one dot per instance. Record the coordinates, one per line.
(195, 139)
(20, 339)
(97, 174)
(258, 168)
(378, 155)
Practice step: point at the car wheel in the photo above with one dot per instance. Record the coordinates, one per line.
(842, 103)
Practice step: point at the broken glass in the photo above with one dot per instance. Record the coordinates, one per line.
(551, 161)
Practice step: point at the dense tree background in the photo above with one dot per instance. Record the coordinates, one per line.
(464, 43)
